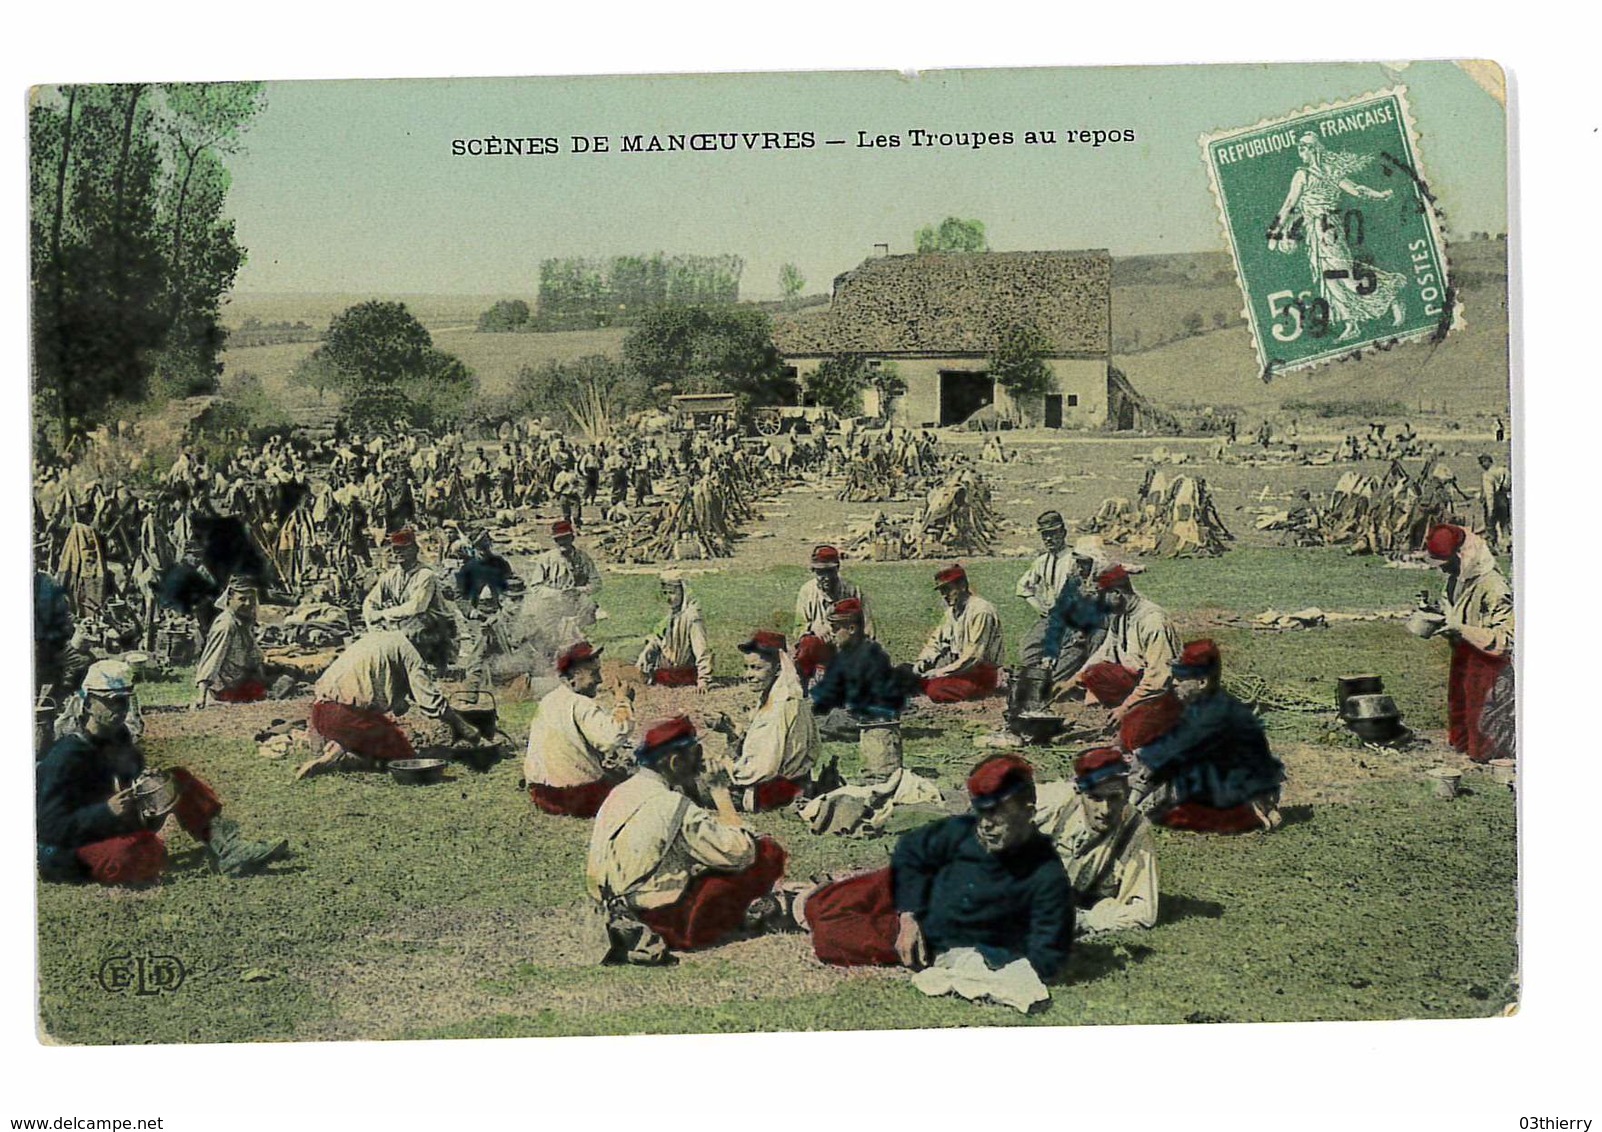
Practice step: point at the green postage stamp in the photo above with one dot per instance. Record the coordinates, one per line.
(1334, 232)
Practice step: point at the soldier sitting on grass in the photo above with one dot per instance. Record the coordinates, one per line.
(90, 822)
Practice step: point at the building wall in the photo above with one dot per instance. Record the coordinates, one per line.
(1081, 378)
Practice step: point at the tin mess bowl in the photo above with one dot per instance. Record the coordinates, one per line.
(417, 772)
(1425, 623)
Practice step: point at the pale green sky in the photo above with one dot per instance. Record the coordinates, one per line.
(351, 186)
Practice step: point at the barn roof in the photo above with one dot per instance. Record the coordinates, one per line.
(956, 304)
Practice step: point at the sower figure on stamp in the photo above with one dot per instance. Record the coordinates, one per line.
(1316, 199)
(962, 658)
(577, 750)
(813, 605)
(99, 811)
(676, 654)
(668, 873)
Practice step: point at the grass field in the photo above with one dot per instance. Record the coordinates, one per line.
(452, 911)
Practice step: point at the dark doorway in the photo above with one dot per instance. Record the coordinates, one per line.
(963, 393)
(1054, 410)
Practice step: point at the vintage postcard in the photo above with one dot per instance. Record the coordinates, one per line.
(524, 557)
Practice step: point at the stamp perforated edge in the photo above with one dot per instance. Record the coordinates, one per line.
(1432, 217)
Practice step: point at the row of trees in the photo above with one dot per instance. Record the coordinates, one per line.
(579, 293)
(131, 250)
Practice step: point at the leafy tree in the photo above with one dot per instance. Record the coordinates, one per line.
(383, 363)
(708, 349)
(507, 315)
(838, 383)
(1193, 323)
(1018, 364)
(953, 235)
(791, 282)
(130, 250)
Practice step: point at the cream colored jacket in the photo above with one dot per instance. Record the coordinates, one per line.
(650, 841)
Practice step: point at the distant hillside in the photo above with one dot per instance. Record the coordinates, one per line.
(1177, 333)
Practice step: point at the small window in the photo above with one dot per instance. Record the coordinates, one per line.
(1073, 399)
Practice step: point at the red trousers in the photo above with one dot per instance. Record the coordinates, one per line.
(776, 793)
(1111, 684)
(675, 677)
(141, 856)
(1204, 819)
(812, 656)
(361, 731)
(1468, 686)
(244, 692)
(570, 801)
(854, 921)
(713, 907)
(973, 684)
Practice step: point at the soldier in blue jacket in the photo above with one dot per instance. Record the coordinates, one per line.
(988, 880)
(89, 821)
(1213, 770)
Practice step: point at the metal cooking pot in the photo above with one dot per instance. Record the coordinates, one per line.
(1346, 687)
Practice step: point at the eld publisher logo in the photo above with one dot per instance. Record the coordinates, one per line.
(144, 975)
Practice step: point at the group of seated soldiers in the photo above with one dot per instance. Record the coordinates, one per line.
(672, 864)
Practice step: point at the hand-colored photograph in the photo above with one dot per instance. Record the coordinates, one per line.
(772, 552)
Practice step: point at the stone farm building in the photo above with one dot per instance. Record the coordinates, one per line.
(936, 317)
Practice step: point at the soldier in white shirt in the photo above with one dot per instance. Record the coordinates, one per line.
(1130, 672)
(962, 658)
(814, 606)
(666, 869)
(576, 749)
(771, 760)
(1039, 587)
(407, 598)
(676, 654)
(1105, 844)
(566, 567)
(380, 676)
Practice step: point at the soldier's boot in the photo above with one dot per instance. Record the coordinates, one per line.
(232, 855)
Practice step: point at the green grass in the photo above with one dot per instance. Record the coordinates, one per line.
(1385, 903)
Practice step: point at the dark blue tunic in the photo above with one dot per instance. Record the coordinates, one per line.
(73, 782)
(490, 570)
(862, 680)
(1217, 754)
(1073, 613)
(1010, 906)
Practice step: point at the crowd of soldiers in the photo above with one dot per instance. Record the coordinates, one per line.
(673, 863)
